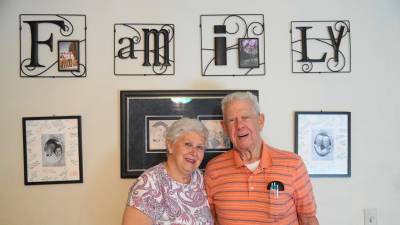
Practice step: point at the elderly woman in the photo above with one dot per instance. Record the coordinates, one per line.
(172, 192)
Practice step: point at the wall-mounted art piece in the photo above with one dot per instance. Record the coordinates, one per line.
(322, 139)
(145, 116)
(232, 45)
(52, 45)
(144, 49)
(321, 46)
(52, 150)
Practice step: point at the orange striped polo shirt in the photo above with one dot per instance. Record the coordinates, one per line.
(239, 196)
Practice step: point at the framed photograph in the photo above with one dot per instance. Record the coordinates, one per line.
(52, 150)
(145, 115)
(323, 140)
(248, 53)
(68, 56)
(218, 140)
(156, 127)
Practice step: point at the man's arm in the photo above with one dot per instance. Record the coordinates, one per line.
(304, 197)
(308, 220)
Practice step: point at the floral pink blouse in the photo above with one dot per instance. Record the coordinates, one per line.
(168, 202)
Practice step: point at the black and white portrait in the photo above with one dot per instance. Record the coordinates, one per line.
(53, 150)
(322, 144)
(217, 138)
(156, 130)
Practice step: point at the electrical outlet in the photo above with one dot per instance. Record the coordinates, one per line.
(371, 216)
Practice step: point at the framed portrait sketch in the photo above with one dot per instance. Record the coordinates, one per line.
(323, 140)
(52, 150)
(145, 116)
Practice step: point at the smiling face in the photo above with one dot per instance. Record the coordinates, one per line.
(243, 125)
(186, 153)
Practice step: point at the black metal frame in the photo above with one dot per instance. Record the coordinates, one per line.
(348, 144)
(82, 72)
(136, 105)
(248, 29)
(307, 67)
(137, 37)
(27, 149)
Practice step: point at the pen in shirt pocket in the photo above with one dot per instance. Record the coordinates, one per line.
(274, 187)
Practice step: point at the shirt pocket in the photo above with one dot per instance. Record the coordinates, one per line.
(280, 202)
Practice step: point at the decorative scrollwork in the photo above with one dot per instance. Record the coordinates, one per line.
(307, 67)
(34, 71)
(256, 29)
(336, 66)
(136, 37)
(68, 27)
(82, 71)
(339, 24)
(234, 23)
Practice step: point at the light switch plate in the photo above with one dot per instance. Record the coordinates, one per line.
(371, 216)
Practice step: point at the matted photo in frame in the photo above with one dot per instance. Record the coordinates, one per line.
(323, 140)
(52, 150)
(155, 130)
(68, 56)
(218, 140)
(145, 115)
(248, 53)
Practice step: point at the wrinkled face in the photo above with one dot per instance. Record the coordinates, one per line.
(243, 125)
(187, 152)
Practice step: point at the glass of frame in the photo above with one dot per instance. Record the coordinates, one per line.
(68, 56)
(52, 150)
(248, 53)
(145, 115)
(322, 139)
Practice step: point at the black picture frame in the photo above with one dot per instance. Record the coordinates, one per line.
(138, 106)
(68, 60)
(248, 53)
(52, 149)
(323, 140)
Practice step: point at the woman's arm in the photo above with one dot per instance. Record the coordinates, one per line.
(134, 216)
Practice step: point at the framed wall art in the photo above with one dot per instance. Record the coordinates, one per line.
(52, 150)
(144, 49)
(145, 116)
(323, 140)
(232, 45)
(321, 46)
(52, 45)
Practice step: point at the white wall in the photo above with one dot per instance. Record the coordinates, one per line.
(370, 92)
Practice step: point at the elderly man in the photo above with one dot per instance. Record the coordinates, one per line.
(254, 183)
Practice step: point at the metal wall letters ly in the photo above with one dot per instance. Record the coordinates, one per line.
(52, 45)
(321, 46)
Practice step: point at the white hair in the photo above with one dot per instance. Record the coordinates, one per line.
(185, 125)
(241, 96)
